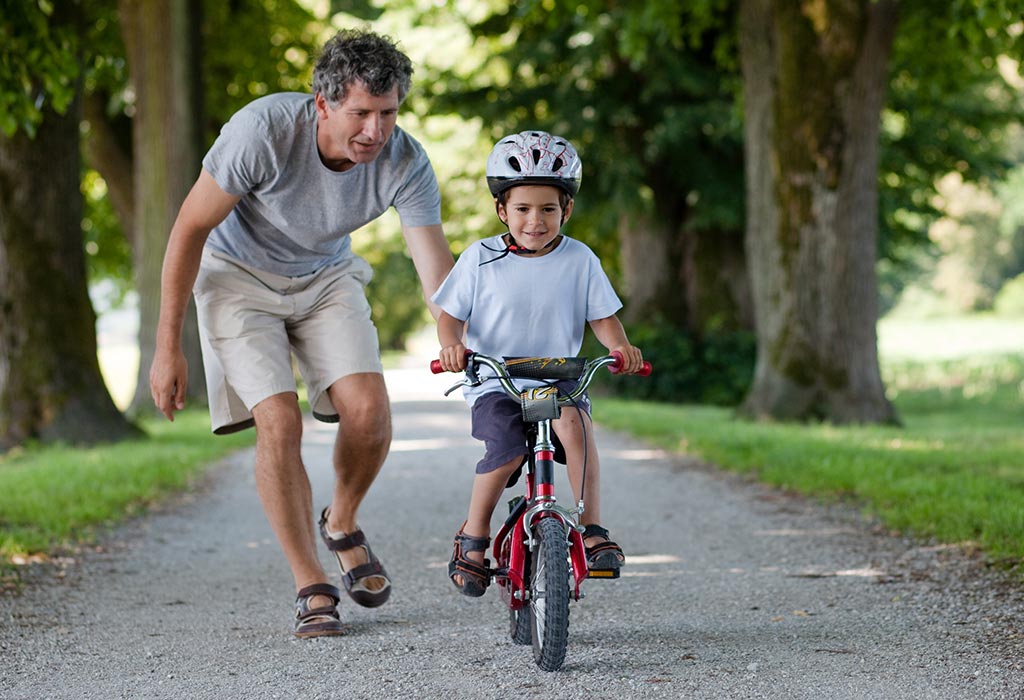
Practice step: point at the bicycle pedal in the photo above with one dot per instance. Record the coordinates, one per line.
(603, 573)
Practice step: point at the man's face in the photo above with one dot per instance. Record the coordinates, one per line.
(357, 130)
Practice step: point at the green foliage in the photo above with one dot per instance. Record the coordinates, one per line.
(60, 496)
(949, 109)
(716, 369)
(39, 68)
(396, 299)
(1010, 300)
(635, 86)
(108, 255)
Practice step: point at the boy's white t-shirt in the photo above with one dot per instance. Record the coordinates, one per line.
(526, 307)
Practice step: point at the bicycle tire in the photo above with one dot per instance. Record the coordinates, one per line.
(520, 625)
(549, 594)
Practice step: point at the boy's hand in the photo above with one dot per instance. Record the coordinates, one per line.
(632, 359)
(453, 357)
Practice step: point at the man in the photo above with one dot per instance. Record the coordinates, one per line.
(263, 241)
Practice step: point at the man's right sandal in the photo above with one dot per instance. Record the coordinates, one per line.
(605, 558)
(322, 621)
(475, 576)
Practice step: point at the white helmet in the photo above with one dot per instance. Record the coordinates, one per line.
(534, 158)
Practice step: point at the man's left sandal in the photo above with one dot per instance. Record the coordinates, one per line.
(355, 579)
(322, 621)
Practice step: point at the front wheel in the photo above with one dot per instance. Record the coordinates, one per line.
(549, 594)
(519, 625)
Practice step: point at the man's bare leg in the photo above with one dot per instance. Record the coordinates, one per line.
(283, 487)
(362, 444)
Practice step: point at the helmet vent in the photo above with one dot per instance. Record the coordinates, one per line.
(536, 156)
(557, 165)
(514, 164)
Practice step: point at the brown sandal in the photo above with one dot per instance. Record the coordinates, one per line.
(322, 621)
(475, 577)
(355, 579)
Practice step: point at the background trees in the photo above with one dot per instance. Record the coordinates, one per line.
(50, 383)
(654, 95)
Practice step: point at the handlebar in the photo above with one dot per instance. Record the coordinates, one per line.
(590, 367)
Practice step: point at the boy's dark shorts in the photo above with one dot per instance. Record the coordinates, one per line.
(498, 422)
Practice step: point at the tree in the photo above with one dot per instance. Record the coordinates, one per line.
(167, 148)
(50, 383)
(639, 89)
(814, 84)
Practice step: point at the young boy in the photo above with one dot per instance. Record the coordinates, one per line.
(527, 293)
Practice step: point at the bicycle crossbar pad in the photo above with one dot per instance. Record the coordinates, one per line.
(545, 367)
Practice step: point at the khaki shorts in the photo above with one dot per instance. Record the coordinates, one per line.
(251, 323)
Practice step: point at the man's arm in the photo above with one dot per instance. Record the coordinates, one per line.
(432, 258)
(205, 206)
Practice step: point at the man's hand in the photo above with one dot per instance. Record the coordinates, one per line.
(168, 381)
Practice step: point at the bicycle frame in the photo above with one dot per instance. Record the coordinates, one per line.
(539, 501)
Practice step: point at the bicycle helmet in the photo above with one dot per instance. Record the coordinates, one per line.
(534, 158)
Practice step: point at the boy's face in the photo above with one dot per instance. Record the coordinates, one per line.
(534, 215)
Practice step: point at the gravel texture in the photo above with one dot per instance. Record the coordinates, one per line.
(732, 590)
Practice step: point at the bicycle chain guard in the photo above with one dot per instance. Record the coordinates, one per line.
(540, 404)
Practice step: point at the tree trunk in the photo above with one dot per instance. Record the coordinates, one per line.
(696, 281)
(106, 155)
(167, 147)
(814, 83)
(51, 388)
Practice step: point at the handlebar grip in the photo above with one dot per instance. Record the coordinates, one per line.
(645, 368)
(435, 365)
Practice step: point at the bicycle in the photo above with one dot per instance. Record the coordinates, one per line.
(539, 553)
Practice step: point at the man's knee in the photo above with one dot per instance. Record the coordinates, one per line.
(362, 404)
(278, 421)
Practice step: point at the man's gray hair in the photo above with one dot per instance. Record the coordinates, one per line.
(360, 55)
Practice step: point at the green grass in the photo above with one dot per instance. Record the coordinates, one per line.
(954, 471)
(54, 498)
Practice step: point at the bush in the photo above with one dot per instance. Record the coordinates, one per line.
(715, 370)
(1010, 299)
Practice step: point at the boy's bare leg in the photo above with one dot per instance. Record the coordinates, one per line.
(362, 444)
(487, 490)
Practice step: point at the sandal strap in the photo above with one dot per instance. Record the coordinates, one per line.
(356, 573)
(324, 589)
(593, 530)
(468, 543)
(606, 546)
(468, 567)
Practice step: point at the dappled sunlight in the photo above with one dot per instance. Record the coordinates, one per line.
(639, 455)
(794, 532)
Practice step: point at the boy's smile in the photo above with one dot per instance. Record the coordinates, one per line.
(534, 216)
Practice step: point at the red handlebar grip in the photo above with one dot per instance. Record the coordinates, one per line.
(645, 368)
(435, 365)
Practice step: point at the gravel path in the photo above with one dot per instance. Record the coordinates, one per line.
(732, 590)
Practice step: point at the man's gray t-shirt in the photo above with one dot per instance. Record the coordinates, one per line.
(295, 214)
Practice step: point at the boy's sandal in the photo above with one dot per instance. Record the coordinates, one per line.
(604, 558)
(322, 621)
(354, 580)
(475, 576)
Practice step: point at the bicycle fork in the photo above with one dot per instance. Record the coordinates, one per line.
(540, 503)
